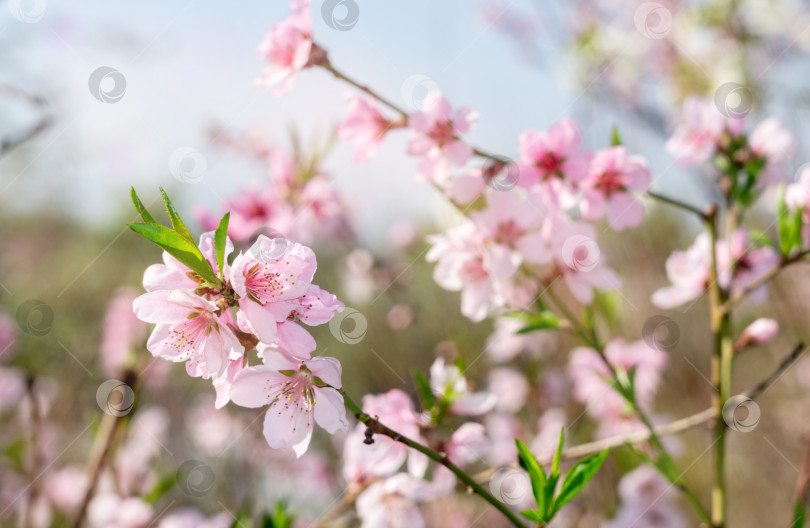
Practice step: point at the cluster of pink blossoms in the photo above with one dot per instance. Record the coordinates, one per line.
(396, 479)
(298, 203)
(739, 264)
(270, 287)
(525, 220)
(703, 133)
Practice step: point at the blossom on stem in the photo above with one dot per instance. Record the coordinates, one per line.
(435, 136)
(297, 395)
(698, 134)
(589, 375)
(774, 144)
(262, 278)
(552, 161)
(365, 126)
(482, 272)
(738, 266)
(287, 48)
(450, 385)
(188, 330)
(606, 187)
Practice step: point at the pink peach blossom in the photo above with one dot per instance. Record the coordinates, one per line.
(287, 48)
(435, 136)
(188, 330)
(8, 337)
(365, 126)
(191, 518)
(392, 503)
(482, 272)
(579, 259)
(606, 187)
(296, 397)
(552, 161)
(510, 387)
(262, 278)
(771, 141)
(448, 382)
(697, 136)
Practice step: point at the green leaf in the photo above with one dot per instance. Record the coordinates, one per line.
(174, 216)
(536, 474)
(615, 139)
(220, 239)
(763, 239)
(141, 208)
(178, 247)
(428, 398)
(543, 321)
(533, 515)
(280, 518)
(160, 489)
(555, 464)
(799, 515)
(579, 475)
(459, 362)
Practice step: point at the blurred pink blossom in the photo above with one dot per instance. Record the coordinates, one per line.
(287, 48)
(606, 188)
(552, 160)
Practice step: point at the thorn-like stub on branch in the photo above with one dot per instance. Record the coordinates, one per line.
(369, 436)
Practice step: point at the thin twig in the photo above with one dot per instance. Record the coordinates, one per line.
(668, 429)
(375, 427)
(763, 279)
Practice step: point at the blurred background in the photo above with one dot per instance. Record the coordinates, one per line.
(182, 93)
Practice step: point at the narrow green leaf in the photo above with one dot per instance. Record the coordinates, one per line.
(542, 321)
(799, 515)
(763, 239)
(160, 489)
(178, 247)
(615, 139)
(177, 222)
(536, 474)
(141, 208)
(555, 464)
(533, 515)
(459, 362)
(220, 238)
(577, 477)
(428, 398)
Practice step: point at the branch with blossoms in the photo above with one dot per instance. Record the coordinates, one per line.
(500, 256)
